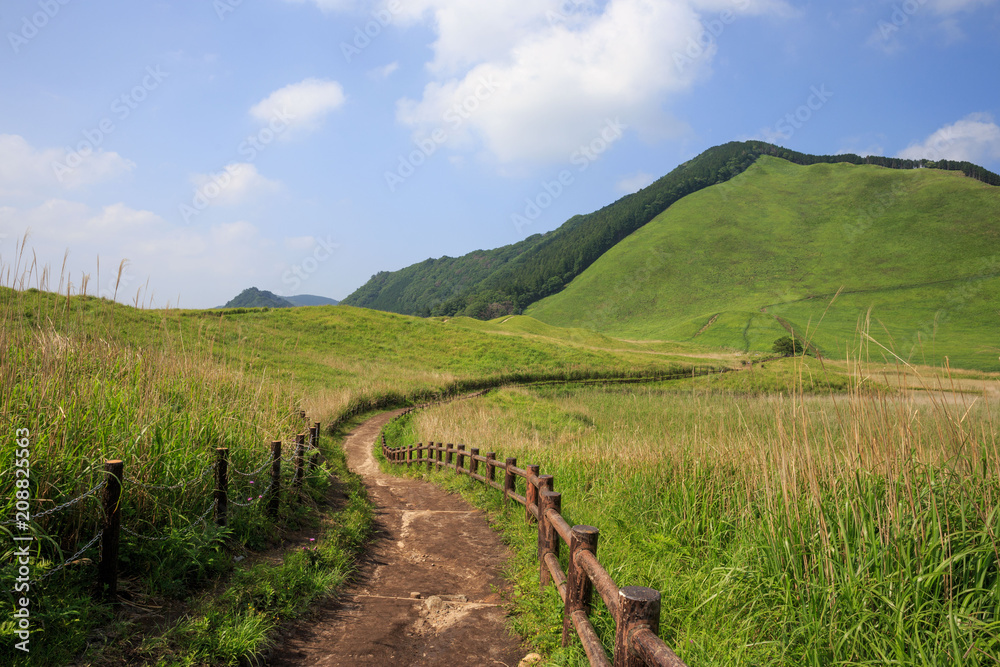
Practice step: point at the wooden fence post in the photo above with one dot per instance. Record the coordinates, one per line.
(447, 454)
(548, 538)
(460, 462)
(579, 587)
(300, 450)
(546, 483)
(491, 466)
(274, 496)
(221, 485)
(430, 456)
(107, 569)
(531, 493)
(314, 445)
(473, 461)
(509, 480)
(638, 607)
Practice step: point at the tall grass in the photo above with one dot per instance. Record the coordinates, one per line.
(782, 528)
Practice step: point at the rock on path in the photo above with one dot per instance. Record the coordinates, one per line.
(425, 593)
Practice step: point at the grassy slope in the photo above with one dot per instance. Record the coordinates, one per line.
(782, 528)
(917, 246)
(161, 390)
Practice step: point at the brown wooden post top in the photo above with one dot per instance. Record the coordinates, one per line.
(548, 538)
(579, 587)
(638, 607)
(530, 493)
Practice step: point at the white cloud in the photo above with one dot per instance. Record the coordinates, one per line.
(634, 183)
(385, 71)
(328, 5)
(205, 265)
(237, 183)
(302, 105)
(25, 169)
(975, 138)
(536, 80)
(947, 7)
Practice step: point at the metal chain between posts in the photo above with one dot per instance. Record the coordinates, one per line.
(71, 558)
(66, 504)
(171, 487)
(194, 525)
(252, 473)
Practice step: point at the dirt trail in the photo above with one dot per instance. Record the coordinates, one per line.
(428, 543)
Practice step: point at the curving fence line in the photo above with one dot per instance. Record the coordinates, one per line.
(221, 497)
(636, 610)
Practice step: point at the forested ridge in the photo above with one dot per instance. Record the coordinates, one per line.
(490, 283)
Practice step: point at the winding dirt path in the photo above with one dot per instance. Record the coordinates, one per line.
(427, 591)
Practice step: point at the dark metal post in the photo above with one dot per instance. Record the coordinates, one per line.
(107, 569)
(274, 496)
(221, 485)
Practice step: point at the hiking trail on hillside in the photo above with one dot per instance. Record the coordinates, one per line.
(427, 591)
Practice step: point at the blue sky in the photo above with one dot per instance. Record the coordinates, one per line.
(302, 146)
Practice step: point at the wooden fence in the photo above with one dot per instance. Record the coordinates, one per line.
(635, 609)
(115, 481)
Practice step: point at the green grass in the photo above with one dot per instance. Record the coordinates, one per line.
(782, 527)
(780, 240)
(92, 380)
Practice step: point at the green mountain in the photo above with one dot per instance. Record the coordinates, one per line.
(310, 300)
(489, 283)
(252, 297)
(811, 249)
(255, 298)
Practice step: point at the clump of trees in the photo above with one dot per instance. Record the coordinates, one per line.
(787, 346)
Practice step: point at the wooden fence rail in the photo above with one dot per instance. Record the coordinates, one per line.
(635, 610)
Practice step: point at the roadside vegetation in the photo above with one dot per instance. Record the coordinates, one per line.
(93, 380)
(847, 516)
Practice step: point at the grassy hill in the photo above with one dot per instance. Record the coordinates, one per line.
(489, 283)
(92, 380)
(739, 263)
